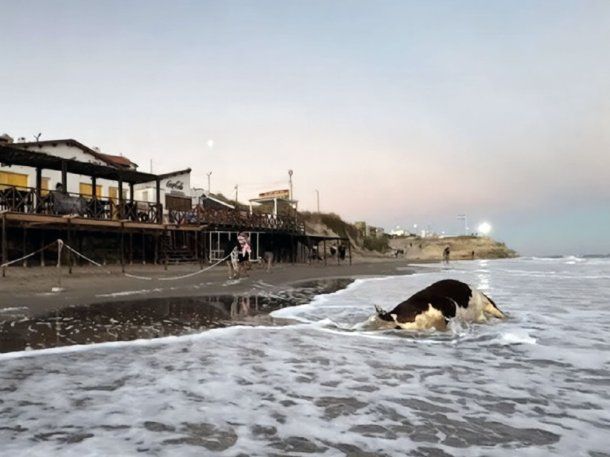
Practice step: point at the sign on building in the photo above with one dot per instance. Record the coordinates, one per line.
(282, 193)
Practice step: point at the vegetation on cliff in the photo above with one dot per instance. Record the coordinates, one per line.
(410, 247)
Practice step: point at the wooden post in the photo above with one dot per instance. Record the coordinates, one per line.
(165, 259)
(338, 256)
(64, 175)
(94, 187)
(158, 202)
(38, 189)
(143, 248)
(131, 192)
(200, 248)
(59, 249)
(325, 262)
(4, 244)
(121, 202)
(130, 248)
(156, 253)
(122, 246)
(349, 248)
(196, 247)
(41, 246)
(210, 248)
(69, 244)
(23, 247)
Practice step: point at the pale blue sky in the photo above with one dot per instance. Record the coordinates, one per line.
(398, 112)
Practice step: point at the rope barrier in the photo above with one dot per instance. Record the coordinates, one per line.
(148, 278)
(60, 245)
(84, 257)
(174, 278)
(28, 255)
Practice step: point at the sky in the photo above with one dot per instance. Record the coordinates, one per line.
(395, 112)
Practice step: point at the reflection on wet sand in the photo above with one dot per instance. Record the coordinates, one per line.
(151, 318)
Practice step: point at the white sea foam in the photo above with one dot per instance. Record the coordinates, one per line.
(535, 384)
(127, 293)
(12, 309)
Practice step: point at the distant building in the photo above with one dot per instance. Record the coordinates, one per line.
(361, 227)
(175, 190)
(208, 200)
(276, 202)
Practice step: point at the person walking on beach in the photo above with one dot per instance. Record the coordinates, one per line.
(342, 251)
(446, 253)
(244, 250)
(268, 255)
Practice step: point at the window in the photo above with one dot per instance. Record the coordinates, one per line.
(86, 190)
(113, 194)
(44, 186)
(9, 179)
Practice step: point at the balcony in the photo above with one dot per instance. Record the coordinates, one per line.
(27, 200)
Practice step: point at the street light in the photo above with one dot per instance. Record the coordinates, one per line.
(484, 228)
(290, 179)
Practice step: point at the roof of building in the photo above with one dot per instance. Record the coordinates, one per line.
(171, 174)
(112, 160)
(214, 198)
(119, 161)
(11, 155)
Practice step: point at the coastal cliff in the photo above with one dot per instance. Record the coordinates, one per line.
(409, 247)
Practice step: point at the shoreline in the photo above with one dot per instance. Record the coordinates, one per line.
(30, 289)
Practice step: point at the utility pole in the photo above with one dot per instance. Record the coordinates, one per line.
(236, 194)
(209, 188)
(290, 179)
(318, 199)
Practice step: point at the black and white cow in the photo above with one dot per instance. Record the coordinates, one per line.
(435, 305)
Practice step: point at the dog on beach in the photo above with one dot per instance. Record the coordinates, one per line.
(434, 306)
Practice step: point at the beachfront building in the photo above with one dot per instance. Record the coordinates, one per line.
(275, 203)
(25, 177)
(207, 200)
(174, 189)
(112, 212)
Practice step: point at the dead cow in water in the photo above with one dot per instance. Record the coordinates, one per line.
(433, 306)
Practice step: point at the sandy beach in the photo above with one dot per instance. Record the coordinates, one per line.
(31, 289)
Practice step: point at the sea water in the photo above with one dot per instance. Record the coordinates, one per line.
(535, 384)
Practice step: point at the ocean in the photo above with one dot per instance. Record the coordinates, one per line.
(536, 384)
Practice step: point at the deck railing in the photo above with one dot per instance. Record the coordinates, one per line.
(29, 200)
(231, 218)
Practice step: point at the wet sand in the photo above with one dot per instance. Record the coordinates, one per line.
(31, 289)
(96, 305)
